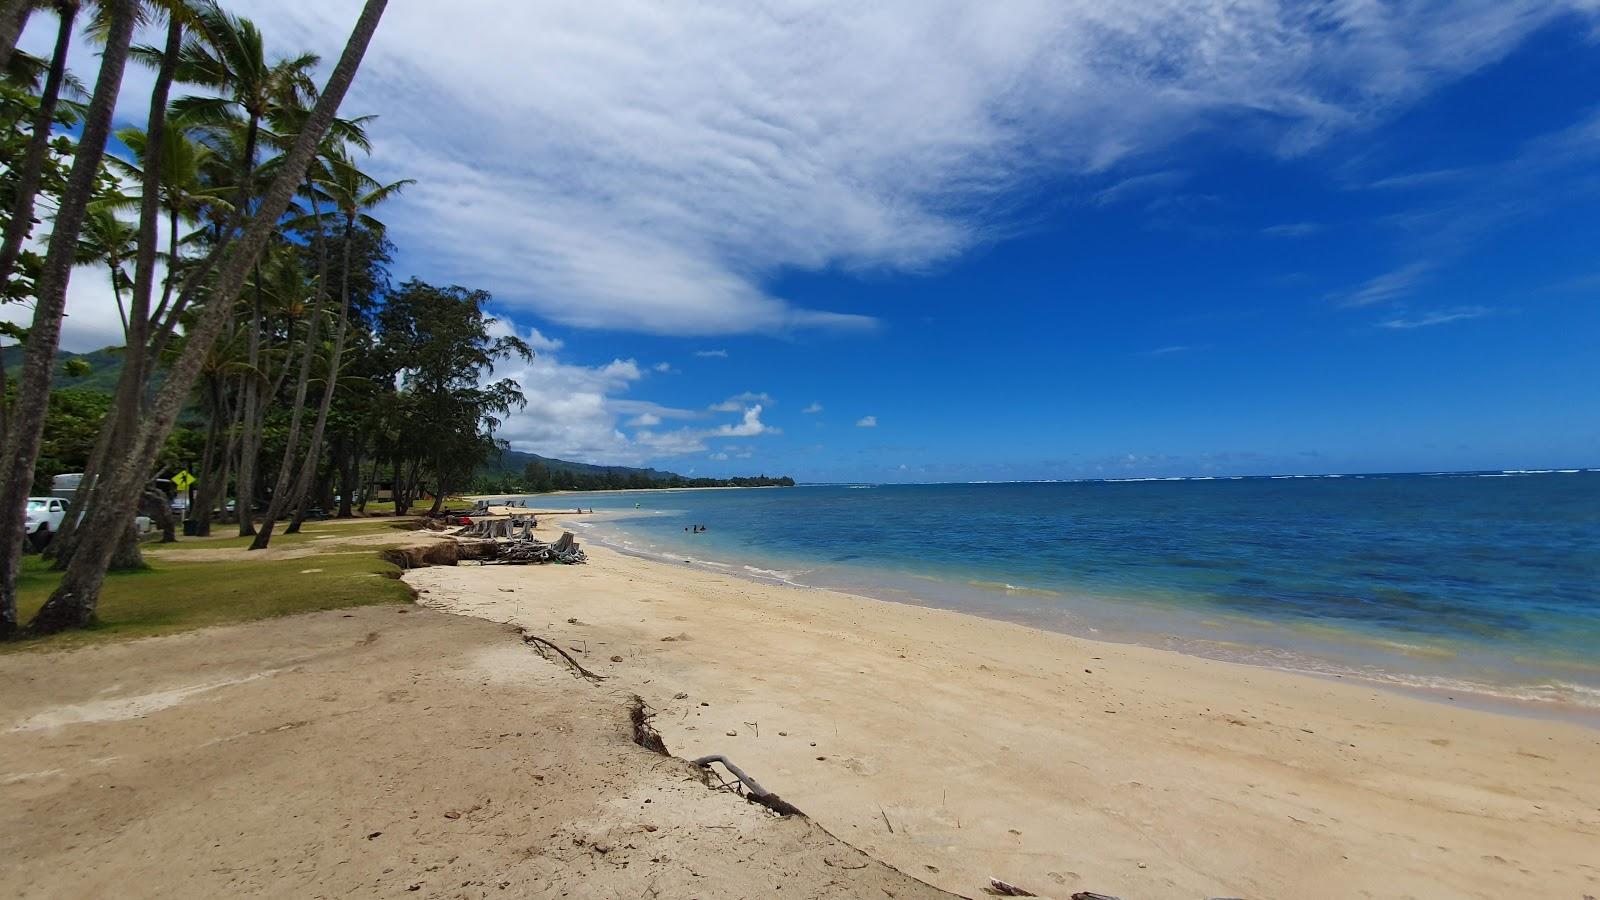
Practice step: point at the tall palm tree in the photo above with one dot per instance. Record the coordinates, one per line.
(351, 192)
(25, 427)
(139, 355)
(231, 59)
(73, 602)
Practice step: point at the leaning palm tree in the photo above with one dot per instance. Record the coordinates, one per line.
(73, 602)
(231, 59)
(25, 421)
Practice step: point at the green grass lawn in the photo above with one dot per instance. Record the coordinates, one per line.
(223, 536)
(175, 595)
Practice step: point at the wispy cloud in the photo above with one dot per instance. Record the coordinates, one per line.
(655, 168)
(711, 354)
(1293, 229)
(867, 422)
(1438, 317)
(742, 401)
(1173, 350)
(1391, 285)
(813, 409)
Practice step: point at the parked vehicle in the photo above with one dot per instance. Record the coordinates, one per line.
(44, 518)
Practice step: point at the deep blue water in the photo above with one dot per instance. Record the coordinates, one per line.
(1463, 582)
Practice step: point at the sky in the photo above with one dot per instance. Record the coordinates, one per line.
(941, 241)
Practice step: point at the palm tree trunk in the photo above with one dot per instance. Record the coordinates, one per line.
(249, 439)
(137, 363)
(26, 428)
(76, 597)
(13, 18)
(291, 442)
(30, 174)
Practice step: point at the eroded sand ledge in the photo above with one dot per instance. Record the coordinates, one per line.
(1062, 764)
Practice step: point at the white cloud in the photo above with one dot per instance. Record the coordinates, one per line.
(813, 409)
(742, 401)
(750, 426)
(1390, 285)
(1439, 317)
(711, 354)
(867, 422)
(663, 368)
(654, 167)
(718, 456)
(645, 420)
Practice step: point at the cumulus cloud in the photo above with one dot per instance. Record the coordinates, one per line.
(663, 367)
(750, 426)
(655, 167)
(867, 422)
(813, 409)
(645, 420)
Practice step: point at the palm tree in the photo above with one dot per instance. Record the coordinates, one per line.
(231, 59)
(72, 604)
(351, 192)
(25, 428)
(29, 174)
(110, 241)
(185, 194)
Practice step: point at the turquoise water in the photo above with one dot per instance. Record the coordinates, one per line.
(1485, 583)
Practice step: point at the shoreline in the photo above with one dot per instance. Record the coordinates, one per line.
(1061, 763)
(1507, 699)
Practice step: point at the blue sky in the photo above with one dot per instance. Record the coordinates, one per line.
(949, 242)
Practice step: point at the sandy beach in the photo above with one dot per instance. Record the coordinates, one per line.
(383, 751)
(957, 748)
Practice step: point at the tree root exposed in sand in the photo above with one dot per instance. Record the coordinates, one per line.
(757, 794)
(540, 645)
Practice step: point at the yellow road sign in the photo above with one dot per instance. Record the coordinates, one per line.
(183, 480)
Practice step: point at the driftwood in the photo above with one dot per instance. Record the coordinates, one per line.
(540, 645)
(500, 541)
(757, 794)
(998, 888)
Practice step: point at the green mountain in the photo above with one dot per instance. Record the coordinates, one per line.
(513, 462)
(96, 371)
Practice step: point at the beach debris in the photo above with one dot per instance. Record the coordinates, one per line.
(1000, 888)
(891, 828)
(540, 645)
(1091, 895)
(753, 791)
(732, 733)
(680, 696)
(616, 659)
(511, 542)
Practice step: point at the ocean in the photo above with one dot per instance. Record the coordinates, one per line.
(1475, 587)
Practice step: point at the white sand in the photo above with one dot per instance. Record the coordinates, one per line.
(1062, 764)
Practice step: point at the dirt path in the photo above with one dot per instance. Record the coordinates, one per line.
(381, 751)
